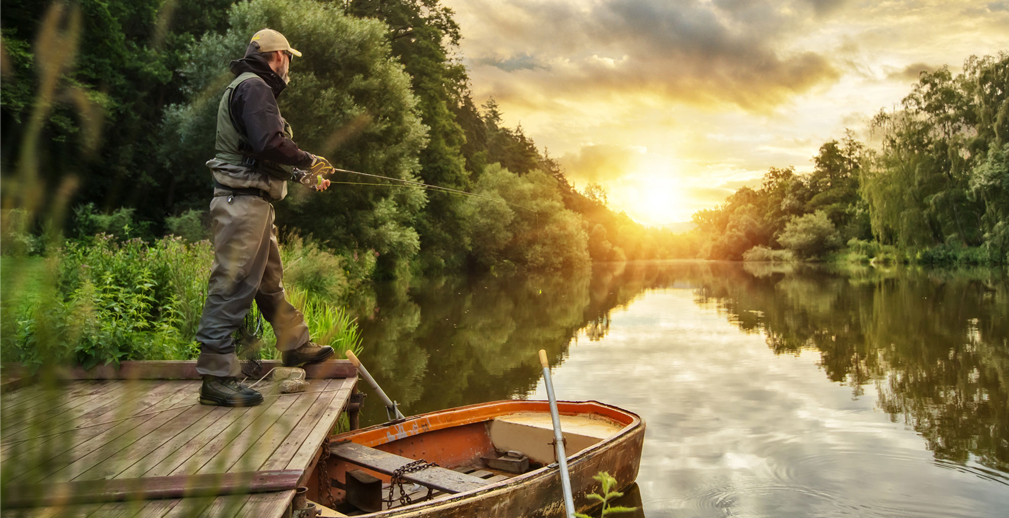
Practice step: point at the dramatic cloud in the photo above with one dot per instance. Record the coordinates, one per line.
(698, 52)
(672, 104)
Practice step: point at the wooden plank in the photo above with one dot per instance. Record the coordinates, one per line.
(141, 509)
(190, 507)
(221, 460)
(51, 406)
(102, 446)
(315, 418)
(309, 446)
(152, 442)
(119, 490)
(295, 416)
(226, 428)
(180, 370)
(49, 451)
(436, 477)
(267, 504)
(208, 415)
(114, 398)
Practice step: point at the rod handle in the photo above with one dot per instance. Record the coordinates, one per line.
(353, 358)
(543, 359)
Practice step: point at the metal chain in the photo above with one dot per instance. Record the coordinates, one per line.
(398, 479)
(324, 487)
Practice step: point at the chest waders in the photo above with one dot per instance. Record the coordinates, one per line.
(247, 264)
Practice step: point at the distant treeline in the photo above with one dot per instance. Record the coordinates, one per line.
(935, 190)
(122, 97)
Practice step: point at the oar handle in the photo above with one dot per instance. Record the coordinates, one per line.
(393, 409)
(353, 358)
(543, 359)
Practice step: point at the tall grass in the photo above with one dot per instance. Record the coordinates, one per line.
(110, 301)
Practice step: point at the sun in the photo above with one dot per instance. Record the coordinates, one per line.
(653, 194)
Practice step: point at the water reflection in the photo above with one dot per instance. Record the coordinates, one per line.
(904, 365)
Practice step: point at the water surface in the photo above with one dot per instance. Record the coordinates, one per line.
(767, 391)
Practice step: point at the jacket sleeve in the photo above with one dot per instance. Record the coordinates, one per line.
(258, 116)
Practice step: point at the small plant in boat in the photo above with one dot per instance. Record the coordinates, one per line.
(606, 495)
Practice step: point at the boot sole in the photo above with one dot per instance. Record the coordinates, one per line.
(309, 362)
(241, 404)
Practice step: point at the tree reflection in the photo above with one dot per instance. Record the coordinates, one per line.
(935, 345)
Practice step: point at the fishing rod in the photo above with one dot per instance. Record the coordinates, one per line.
(410, 183)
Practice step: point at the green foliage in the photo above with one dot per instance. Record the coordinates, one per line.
(764, 254)
(111, 301)
(520, 221)
(810, 236)
(121, 223)
(605, 495)
(318, 272)
(938, 181)
(188, 225)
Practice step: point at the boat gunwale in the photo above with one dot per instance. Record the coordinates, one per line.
(626, 433)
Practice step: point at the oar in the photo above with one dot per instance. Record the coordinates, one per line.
(390, 406)
(562, 458)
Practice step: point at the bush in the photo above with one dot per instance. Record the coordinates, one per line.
(111, 301)
(189, 226)
(764, 254)
(317, 272)
(121, 223)
(810, 236)
(16, 237)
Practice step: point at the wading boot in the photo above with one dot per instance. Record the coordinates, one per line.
(227, 392)
(308, 353)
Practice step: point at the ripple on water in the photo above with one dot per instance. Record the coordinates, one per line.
(836, 482)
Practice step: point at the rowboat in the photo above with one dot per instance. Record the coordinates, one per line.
(489, 460)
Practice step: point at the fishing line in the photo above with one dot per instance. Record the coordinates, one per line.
(425, 186)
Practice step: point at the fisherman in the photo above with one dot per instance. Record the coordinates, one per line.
(255, 158)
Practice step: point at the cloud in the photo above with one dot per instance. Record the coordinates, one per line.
(513, 63)
(599, 163)
(911, 72)
(707, 53)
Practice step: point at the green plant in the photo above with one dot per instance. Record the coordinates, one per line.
(188, 225)
(604, 497)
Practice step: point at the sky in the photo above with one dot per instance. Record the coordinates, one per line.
(672, 105)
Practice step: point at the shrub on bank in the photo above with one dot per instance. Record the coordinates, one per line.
(102, 300)
(764, 254)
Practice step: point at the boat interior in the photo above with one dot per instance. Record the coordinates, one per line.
(436, 455)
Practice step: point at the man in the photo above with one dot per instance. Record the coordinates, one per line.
(255, 159)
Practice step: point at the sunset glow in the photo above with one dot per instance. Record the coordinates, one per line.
(714, 92)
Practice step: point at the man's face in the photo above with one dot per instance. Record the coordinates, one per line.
(285, 66)
(280, 62)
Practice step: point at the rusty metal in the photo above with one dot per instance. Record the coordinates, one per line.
(354, 408)
(325, 490)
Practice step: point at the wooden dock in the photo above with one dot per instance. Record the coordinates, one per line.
(135, 441)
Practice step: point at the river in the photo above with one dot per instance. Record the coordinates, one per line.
(767, 390)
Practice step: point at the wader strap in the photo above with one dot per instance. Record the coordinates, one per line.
(236, 191)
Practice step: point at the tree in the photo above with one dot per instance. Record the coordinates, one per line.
(520, 221)
(810, 236)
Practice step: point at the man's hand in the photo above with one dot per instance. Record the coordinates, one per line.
(314, 182)
(320, 166)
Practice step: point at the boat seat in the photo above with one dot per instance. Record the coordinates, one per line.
(434, 477)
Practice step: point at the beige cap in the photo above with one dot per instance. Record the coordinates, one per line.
(270, 41)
